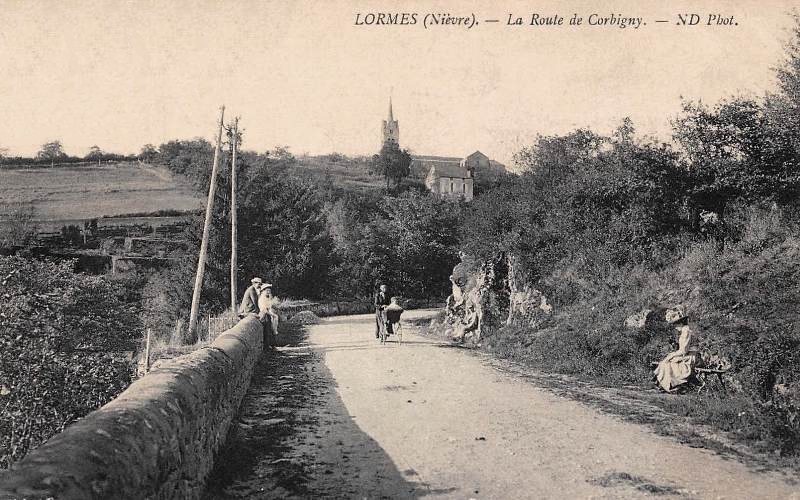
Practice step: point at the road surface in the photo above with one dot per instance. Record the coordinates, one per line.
(336, 415)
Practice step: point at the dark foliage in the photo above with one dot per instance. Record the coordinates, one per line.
(392, 163)
(408, 242)
(66, 340)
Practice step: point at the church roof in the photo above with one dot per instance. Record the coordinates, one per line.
(477, 154)
(446, 169)
(432, 158)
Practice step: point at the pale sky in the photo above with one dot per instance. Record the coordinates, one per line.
(123, 74)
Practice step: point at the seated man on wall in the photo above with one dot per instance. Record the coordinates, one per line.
(249, 303)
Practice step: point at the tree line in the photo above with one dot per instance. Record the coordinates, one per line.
(52, 153)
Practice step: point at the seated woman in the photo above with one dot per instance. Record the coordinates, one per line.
(268, 314)
(678, 366)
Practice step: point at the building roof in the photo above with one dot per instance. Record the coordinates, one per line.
(477, 154)
(431, 158)
(445, 169)
(421, 165)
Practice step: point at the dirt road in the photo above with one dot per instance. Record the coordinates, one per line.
(340, 416)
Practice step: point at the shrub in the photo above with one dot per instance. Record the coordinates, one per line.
(66, 341)
(742, 301)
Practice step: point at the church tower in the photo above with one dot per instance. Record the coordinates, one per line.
(391, 128)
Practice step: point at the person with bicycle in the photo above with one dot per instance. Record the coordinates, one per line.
(382, 300)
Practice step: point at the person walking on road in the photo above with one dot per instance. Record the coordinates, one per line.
(249, 303)
(382, 300)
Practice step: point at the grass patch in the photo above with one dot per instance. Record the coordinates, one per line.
(87, 192)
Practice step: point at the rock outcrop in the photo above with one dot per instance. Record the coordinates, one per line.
(488, 295)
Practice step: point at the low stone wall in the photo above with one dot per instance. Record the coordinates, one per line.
(158, 439)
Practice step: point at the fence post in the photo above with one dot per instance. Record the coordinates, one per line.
(147, 353)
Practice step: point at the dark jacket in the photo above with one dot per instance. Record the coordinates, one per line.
(381, 299)
(249, 301)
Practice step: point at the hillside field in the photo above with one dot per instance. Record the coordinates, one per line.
(84, 192)
(347, 172)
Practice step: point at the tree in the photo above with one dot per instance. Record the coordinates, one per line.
(282, 153)
(393, 163)
(52, 151)
(585, 201)
(556, 155)
(422, 235)
(409, 241)
(784, 106)
(190, 158)
(283, 235)
(736, 151)
(63, 336)
(148, 153)
(95, 154)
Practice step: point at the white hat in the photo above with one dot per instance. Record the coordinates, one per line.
(256, 281)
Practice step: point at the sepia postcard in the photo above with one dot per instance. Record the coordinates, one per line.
(399, 249)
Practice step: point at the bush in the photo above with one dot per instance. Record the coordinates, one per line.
(66, 340)
(743, 303)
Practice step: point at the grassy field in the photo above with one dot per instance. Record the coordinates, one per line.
(346, 172)
(83, 192)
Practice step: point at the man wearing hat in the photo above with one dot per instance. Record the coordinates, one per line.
(249, 303)
(381, 301)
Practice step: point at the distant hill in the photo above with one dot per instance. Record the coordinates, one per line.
(340, 170)
(92, 191)
(353, 172)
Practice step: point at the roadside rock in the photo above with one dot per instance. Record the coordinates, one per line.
(527, 306)
(487, 295)
(638, 320)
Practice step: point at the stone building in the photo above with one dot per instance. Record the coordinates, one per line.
(450, 180)
(455, 177)
(478, 162)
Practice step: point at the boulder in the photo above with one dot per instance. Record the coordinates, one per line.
(638, 320)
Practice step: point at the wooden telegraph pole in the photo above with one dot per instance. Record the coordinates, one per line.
(201, 261)
(234, 259)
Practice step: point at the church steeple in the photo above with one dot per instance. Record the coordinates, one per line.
(391, 128)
